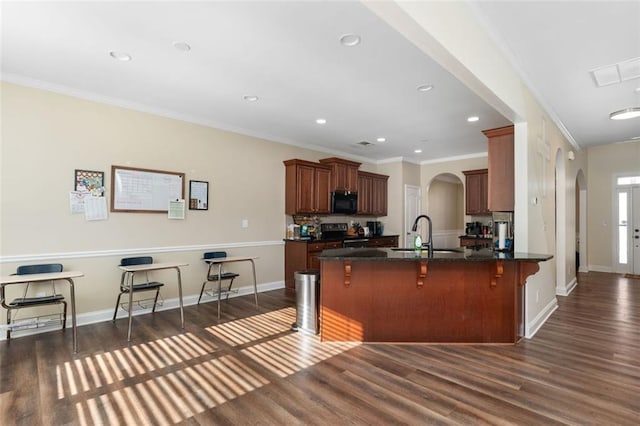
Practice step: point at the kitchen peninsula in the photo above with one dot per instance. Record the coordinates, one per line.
(402, 295)
(303, 254)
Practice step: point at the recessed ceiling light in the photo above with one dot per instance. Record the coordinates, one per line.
(625, 114)
(424, 88)
(250, 98)
(350, 40)
(321, 121)
(417, 151)
(473, 119)
(181, 45)
(121, 56)
(381, 139)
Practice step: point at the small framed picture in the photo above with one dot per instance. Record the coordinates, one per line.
(89, 181)
(198, 195)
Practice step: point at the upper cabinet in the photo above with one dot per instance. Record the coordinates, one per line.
(372, 194)
(344, 174)
(476, 192)
(307, 188)
(501, 169)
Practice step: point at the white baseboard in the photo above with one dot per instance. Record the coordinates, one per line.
(600, 268)
(583, 269)
(541, 318)
(565, 291)
(107, 314)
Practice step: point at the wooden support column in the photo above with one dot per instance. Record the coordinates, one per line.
(422, 273)
(347, 273)
(498, 272)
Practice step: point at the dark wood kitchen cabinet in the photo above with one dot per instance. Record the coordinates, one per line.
(475, 242)
(387, 241)
(476, 187)
(501, 169)
(307, 188)
(300, 255)
(372, 194)
(344, 174)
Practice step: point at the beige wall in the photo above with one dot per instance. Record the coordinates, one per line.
(446, 208)
(46, 136)
(400, 174)
(605, 164)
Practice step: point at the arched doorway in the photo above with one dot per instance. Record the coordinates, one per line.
(445, 207)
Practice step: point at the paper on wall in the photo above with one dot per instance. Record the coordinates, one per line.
(76, 201)
(176, 209)
(95, 208)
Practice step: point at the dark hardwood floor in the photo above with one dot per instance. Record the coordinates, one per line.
(581, 368)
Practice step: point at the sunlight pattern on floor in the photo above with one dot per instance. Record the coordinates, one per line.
(170, 380)
(173, 397)
(95, 371)
(289, 354)
(253, 328)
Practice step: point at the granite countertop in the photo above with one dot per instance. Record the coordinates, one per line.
(349, 237)
(439, 255)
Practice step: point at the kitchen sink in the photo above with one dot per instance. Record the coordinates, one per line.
(457, 251)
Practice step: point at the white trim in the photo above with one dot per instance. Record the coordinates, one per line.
(583, 269)
(560, 196)
(106, 315)
(455, 158)
(541, 318)
(130, 251)
(565, 291)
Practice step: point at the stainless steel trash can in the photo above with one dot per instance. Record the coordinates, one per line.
(307, 300)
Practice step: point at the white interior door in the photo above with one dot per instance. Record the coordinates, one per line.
(412, 201)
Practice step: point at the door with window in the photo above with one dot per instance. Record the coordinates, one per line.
(628, 220)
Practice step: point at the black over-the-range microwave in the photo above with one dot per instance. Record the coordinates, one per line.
(344, 202)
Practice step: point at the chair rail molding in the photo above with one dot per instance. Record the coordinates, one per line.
(135, 251)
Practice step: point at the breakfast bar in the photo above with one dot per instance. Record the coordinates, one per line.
(438, 296)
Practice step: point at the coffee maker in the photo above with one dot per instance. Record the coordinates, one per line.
(375, 228)
(473, 229)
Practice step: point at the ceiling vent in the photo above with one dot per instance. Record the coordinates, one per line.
(616, 73)
(364, 143)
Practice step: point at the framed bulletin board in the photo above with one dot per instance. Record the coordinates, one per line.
(144, 190)
(89, 181)
(198, 195)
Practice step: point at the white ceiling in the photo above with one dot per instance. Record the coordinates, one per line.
(289, 55)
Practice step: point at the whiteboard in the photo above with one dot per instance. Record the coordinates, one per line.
(143, 190)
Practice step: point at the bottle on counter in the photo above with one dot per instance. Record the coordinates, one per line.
(417, 242)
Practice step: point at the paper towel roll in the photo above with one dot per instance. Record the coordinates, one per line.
(502, 235)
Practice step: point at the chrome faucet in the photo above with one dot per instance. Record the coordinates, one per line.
(414, 228)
